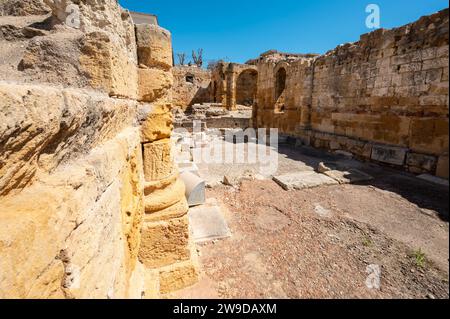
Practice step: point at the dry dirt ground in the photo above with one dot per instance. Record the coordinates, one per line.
(318, 243)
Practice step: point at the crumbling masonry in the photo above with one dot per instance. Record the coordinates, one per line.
(383, 98)
(91, 204)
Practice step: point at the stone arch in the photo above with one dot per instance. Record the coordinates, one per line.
(280, 87)
(246, 87)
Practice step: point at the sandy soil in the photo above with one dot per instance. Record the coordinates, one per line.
(318, 243)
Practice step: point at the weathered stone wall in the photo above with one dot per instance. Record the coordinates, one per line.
(84, 134)
(383, 98)
(192, 85)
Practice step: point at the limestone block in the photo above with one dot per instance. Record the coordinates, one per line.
(50, 125)
(46, 59)
(154, 84)
(325, 167)
(23, 7)
(65, 232)
(429, 135)
(348, 176)
(388, 154)
(108, 66)
(165, 197)
(303, 180)
(165, 243)
(334, 145)
(208, 223)
(59, 9)
(442, 167)
(154, 46)
(178, 276)
(158, 123)
(158, 162)
(422, 162)
(150, 187)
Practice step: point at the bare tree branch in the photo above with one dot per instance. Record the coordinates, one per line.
(198, 57)
(181, 58)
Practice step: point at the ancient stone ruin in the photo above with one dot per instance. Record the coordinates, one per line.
(92, 203)
(383, 98)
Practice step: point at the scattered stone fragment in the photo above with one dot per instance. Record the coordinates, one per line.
(344, 153)
(235, 180)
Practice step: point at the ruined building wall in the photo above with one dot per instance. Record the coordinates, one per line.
(383, 98)
(192, 85)
(234, 84)
(246, 87)
(76, 115)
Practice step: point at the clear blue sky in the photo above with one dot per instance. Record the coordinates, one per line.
(239, 30)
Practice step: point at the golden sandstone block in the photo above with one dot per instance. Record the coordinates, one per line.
(165, 243)
(150, 187)
(154, 84)
(158, 162)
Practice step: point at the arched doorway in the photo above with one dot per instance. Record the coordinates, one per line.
(280, 87)
(247, 87)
